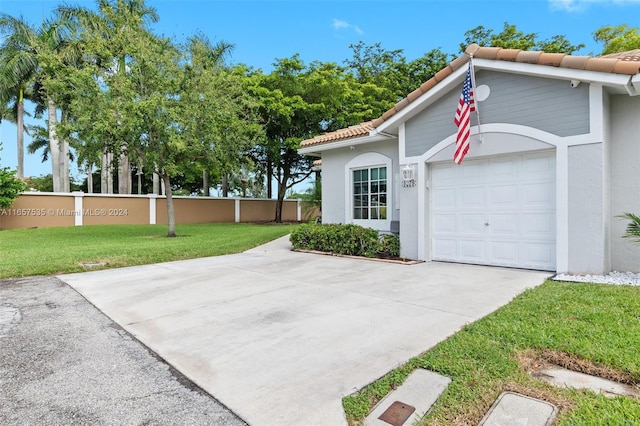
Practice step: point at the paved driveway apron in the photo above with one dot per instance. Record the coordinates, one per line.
(280, 337)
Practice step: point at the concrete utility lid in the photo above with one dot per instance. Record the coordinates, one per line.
(566, 378)
(418, 393)
(515, 409)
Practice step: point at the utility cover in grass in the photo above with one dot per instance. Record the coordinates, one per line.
(418, 392)
(562, 377)
(515, 409)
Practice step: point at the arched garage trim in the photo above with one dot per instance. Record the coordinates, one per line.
(504, 139)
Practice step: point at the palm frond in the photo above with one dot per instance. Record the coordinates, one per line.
(633, 227)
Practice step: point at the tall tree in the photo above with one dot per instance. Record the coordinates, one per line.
(299, 101)
(220, 116)
(618, 38)
(18, 65)
(176, 112)
(111, 32)
(38, 54)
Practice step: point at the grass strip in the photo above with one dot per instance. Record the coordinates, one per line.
(46, 251)
(598, 324)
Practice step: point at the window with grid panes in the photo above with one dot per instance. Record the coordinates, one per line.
(370, 193)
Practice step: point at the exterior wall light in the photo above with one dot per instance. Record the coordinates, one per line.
(408, 176)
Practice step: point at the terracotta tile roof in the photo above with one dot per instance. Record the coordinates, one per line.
(627, 63)
(631, 55)
(348, 133)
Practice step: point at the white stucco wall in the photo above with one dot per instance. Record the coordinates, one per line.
(333, 185)
(409, 218)
(586, 210)
(624, 178)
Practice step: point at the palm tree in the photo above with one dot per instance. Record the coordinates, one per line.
(113, 31)
(17, 68)
(32, 56)
(40, 142)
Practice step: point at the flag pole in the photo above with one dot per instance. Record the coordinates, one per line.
(473, 82)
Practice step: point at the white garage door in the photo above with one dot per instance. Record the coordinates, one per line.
(498, 211)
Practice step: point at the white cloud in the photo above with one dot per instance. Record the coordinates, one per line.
(566, 5)
(339, 24)
(580, 5)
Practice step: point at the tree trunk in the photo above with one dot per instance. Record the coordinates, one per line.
(269, 178)
(124, 174)
(64, 161)
(225, 186)
(103, 174)
(106, 174)
(282, 191)
(54, 147)
(90, 179)
(156, 184)
(171, 215)
(205, 184)
(20, 135)
(64, 166)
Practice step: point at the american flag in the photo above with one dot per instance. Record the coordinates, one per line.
(466, 106)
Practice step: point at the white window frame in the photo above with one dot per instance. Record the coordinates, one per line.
(362, 161)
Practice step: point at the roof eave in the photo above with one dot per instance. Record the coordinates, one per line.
(629, 83)
(316, 150)
(537, 70)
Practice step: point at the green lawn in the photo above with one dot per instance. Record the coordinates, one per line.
(46, 251)
(590, 327)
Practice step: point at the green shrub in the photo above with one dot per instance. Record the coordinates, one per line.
(10, 187)
(349, 239)
(388, 245)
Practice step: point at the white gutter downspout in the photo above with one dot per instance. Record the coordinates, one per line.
(633, 88)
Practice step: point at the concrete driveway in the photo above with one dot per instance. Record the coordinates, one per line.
(280, 337)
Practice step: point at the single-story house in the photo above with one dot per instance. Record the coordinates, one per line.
(553, 161)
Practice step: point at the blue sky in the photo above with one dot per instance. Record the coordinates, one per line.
(264, 30)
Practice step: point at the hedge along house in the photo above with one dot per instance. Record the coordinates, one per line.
(554, 161)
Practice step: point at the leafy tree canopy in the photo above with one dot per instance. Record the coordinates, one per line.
(618, 38)
(512, 38)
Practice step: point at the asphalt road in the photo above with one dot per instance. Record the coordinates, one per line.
(63, 362)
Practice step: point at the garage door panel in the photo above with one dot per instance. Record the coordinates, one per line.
(502, 170)
(498, 211)
(502, 225)
(470, 175)
(538, 255)
(504, 253)
(446, 198)
(472, 251)
(447, 248)
(446, 174)
(447, 223)
(538, 166)
(538, 224)
(538, 194)
(472, 224)
(471, 198)
(503, 196)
